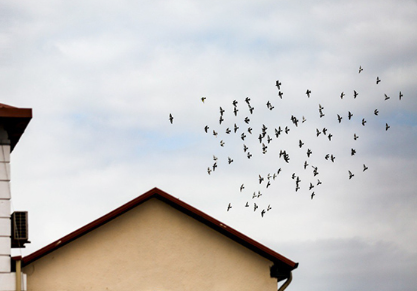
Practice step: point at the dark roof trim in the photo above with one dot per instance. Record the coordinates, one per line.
(15, 121)
(280, 261)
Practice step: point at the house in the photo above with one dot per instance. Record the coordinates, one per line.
(154, 242)
(13, 122)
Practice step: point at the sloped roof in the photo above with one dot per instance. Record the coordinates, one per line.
(282, 266)
(15, 121)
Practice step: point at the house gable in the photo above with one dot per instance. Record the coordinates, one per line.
(154, 245)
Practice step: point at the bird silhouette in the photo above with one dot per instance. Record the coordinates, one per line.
(378, 80)
(360, 69)
(309, 152)
(228, 131)
(300, 144)
(247, 120)
(342, 95)
(229, 160)
(242, 187)
(350, 175)
(387, 126)
(363, 121)
(235, 110)
(203, 99)
(339, 118)
(308, 92)
(376, 112)
(400, 95)
(355, 94)
(350, 115)
(312, 195)
(365, 168)
(171, 118)
(280, 94)
(330, 136)
(206, 128)
(236, 128)
(278, 84)
(222, 143)
(229, 206)
(352, 152)
(386, 97)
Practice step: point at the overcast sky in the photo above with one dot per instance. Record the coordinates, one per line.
(102, 78)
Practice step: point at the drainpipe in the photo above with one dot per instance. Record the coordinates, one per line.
(286, 283)
(18, 273)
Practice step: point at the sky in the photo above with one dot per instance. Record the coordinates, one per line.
(102, 78)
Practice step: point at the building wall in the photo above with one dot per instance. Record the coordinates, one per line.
(151, 247)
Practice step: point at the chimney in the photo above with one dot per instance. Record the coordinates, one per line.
(13, 122)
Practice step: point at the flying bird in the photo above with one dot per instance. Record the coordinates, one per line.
(355, 94)
(247, 100)
(350, 175)
(352, 152)
(387, 126)
(242, 187)
(209, 170)
(280, 94)
(360, 69)
(278, 84)
(378, 80)
(221, 111)
(245, 148)
(247, 120)
(263, 212)
(350, 114)
(222, 143)
(236, 128)
(312, 195)
(400, 95)
(376, 112)
(206, 128)
(330, 136)
(339, 118)
(355, 137)
(171, 118)
(235, 110)
(214, 133)
(229, 206)
(228, 130)
(363, 121)
(309, 152)
(342, 95)
(203, 99)
(230, 160)
(365, 168)
(318, 132)
(300, 144)
(308, 92)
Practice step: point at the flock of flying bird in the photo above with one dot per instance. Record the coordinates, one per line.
(266, 135)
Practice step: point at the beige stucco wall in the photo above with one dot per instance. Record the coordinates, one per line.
(152, 247)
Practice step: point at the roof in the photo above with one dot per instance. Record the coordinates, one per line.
(281, 269)
(15, 121)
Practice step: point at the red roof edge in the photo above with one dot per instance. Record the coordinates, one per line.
(281, 261)
(15, 121)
